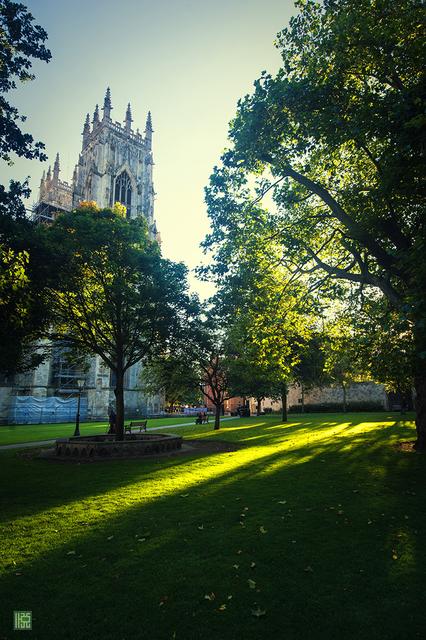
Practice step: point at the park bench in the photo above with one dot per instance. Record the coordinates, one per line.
(140, 424)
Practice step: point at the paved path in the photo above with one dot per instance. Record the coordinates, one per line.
(41, 443)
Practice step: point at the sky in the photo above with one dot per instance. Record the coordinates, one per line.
(187, 61)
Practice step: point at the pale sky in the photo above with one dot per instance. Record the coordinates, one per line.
(186, 61)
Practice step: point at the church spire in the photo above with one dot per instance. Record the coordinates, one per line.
(129, 118)
(86, 130)
(49, 174)
(107, 105)
(56, 169)
(148, 130)
(95, 120)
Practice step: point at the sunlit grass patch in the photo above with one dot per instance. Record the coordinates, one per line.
(322, 514)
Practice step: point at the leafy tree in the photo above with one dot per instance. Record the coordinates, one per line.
(337, 137)
(175, 376)
(20, 42)
(309, 371)
(121, 300)
(23, 314)
(385, 346)
(341, 363)
(28, 265)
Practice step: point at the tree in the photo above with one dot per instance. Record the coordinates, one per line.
(337, 137)
(120, 300)
(174, 375)
(309, 372)
(20, 42)
(341, 363)
(23, 314)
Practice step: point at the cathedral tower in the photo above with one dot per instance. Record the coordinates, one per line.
(115, 164)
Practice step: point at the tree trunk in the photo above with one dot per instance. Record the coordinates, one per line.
(119, 405)
(303, 398)
(284, 403)
(258, 407)
(420, 386)
(344, 397)
(218, 408)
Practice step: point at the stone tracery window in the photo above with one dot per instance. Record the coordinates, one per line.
(123, 191)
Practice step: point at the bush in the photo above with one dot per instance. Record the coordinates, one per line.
(337, 407)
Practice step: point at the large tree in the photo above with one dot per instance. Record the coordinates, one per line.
(337, 136)
(120, 300)
(23, 314)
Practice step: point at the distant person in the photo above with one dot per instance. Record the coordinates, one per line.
(112, 419)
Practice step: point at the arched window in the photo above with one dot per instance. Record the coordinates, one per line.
(123, 191)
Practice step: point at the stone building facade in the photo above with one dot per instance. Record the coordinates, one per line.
(115, 165)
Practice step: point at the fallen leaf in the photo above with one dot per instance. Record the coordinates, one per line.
(209, 596)
(246, 508)
(282, 501)
(141, 539)
(184, 495)
(110, 537)
(71, 553)
(222, 607)
(252, 565)
(258, 613)
(201, 527)
(229, 597)
(239, 551)
(251, 584)
(309, 569)
(263, 530)
(236, 566)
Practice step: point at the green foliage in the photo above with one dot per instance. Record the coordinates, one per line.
(334, 142)
(118, 297)
(20, 42)
(175, 376)
(22, 311)
(334, 407)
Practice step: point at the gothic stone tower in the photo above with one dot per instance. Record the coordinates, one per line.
(115, 165)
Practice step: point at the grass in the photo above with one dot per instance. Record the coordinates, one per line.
(16, 434)
(319, 523)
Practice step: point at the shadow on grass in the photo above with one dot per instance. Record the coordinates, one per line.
(324, 564)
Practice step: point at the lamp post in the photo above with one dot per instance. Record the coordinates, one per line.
(80, 385)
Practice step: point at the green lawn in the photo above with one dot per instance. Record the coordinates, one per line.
(15, 434)
(319, 523)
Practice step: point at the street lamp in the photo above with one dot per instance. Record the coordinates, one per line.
(80, 385)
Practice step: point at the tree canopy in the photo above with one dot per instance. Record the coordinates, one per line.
(334, 143)
(119, 299)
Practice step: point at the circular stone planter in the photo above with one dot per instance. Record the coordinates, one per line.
(104, 446)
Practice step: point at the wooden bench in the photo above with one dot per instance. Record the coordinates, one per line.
(141, 425)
